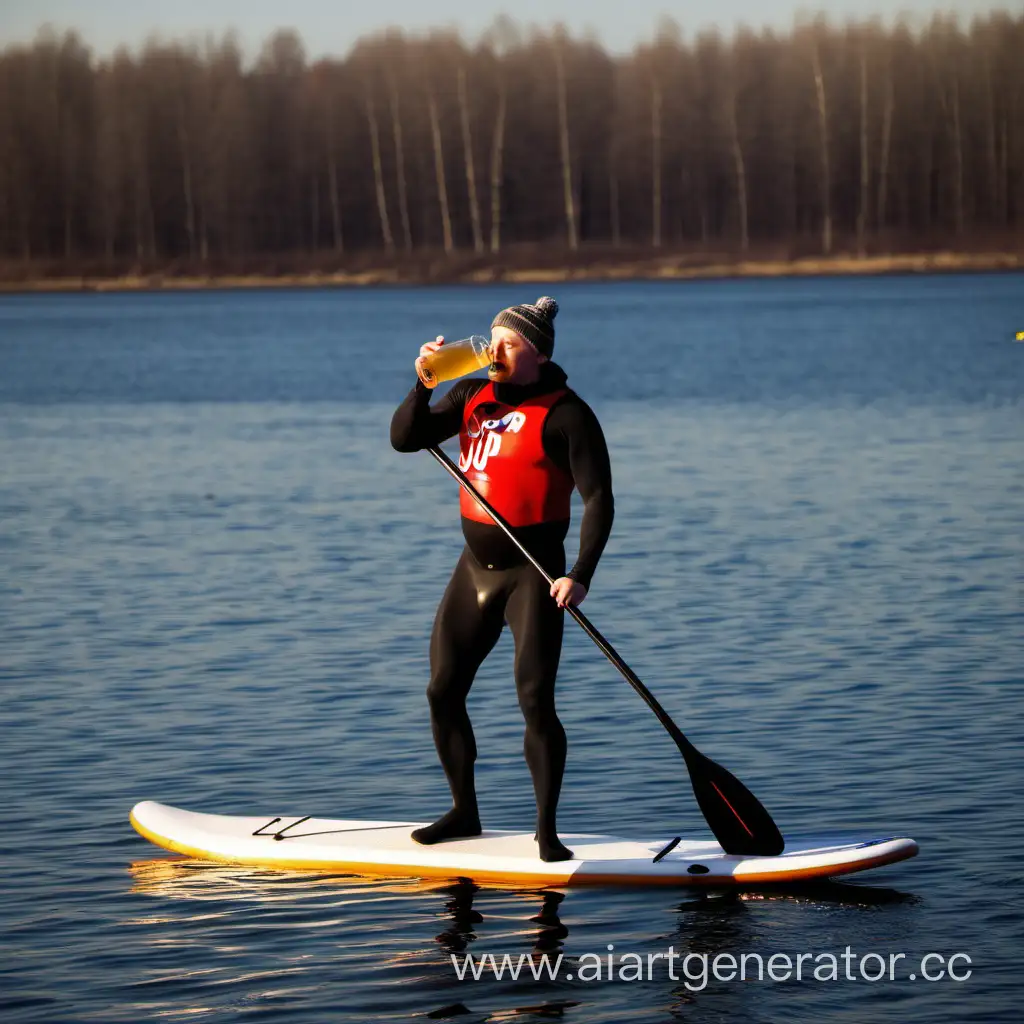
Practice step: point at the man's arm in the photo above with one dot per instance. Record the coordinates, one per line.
(415, 425)
(577, 442)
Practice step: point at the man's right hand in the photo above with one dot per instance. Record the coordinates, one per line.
(430, 346)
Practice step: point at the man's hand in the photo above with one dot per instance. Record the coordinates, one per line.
(567, 591)
(430, 346)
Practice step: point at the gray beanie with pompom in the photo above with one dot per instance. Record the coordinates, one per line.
(533, 322)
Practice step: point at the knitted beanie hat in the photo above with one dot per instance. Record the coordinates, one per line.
(534, 322)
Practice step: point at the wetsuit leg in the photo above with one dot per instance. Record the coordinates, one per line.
(536, 623)
(467, 626)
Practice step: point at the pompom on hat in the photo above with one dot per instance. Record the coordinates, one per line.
(534, 322)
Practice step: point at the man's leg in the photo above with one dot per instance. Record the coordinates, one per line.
(467, 626)
(536, 623)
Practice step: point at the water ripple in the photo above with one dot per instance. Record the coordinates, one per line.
(227, 605)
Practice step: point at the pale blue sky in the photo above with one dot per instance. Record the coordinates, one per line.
(332, 27)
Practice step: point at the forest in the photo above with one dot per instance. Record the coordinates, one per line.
(442, 156)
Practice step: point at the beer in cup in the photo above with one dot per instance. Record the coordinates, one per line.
(454, 359)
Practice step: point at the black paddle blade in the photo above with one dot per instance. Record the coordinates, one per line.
(740, 823)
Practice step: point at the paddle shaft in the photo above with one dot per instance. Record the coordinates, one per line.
(686, 748)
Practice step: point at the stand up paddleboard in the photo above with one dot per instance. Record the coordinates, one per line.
(385, 848)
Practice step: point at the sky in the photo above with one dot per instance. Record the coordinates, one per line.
(331, 27)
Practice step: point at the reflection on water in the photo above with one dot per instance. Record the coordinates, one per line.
(841, 893)
(473, 920)
(184, 878)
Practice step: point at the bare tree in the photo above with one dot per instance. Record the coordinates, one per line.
(945, 65)
(862, 208)
(823, 130)
(564, 146)
(378, 171)
(337, 232)
(439, 172)
(732, 103)
(324, 79)
(467, 149)
(182, 151)
(497, 165)
(656, 199)
(17, 100)
(883, 160)
(396, 131)
(500, 40)
(110, 173)
(182, 71)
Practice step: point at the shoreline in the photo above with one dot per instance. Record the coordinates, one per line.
(666, 268)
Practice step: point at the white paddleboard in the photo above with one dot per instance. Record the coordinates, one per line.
(501, 857)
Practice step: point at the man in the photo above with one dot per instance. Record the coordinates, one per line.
(526, 441)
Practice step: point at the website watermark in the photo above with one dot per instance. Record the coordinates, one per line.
(698, 970)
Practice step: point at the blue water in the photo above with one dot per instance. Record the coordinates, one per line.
(217, 582)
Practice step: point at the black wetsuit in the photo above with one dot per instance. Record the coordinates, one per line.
(493, 584)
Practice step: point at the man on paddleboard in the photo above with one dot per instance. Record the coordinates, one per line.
(526, 440)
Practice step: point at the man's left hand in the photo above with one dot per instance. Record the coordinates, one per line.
(567, 591)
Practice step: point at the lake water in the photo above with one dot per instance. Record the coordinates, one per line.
(217, 583)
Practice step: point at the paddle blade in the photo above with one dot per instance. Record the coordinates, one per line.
(740, 823)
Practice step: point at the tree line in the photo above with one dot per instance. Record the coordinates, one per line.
(823, 137)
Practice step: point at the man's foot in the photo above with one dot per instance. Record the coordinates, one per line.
(552, 849)
(454, 825)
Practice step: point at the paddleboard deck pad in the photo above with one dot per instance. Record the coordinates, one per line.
(503, 857)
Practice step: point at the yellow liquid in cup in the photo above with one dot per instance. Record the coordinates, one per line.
(452, 360)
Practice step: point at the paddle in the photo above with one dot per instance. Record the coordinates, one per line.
(737, 819)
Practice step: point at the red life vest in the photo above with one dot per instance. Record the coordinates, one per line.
(502, 454)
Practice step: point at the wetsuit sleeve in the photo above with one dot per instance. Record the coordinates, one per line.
(416, 425)
(574, 440)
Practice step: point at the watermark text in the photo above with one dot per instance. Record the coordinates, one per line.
(697, 970)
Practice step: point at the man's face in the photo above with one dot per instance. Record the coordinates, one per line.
(513, 359)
